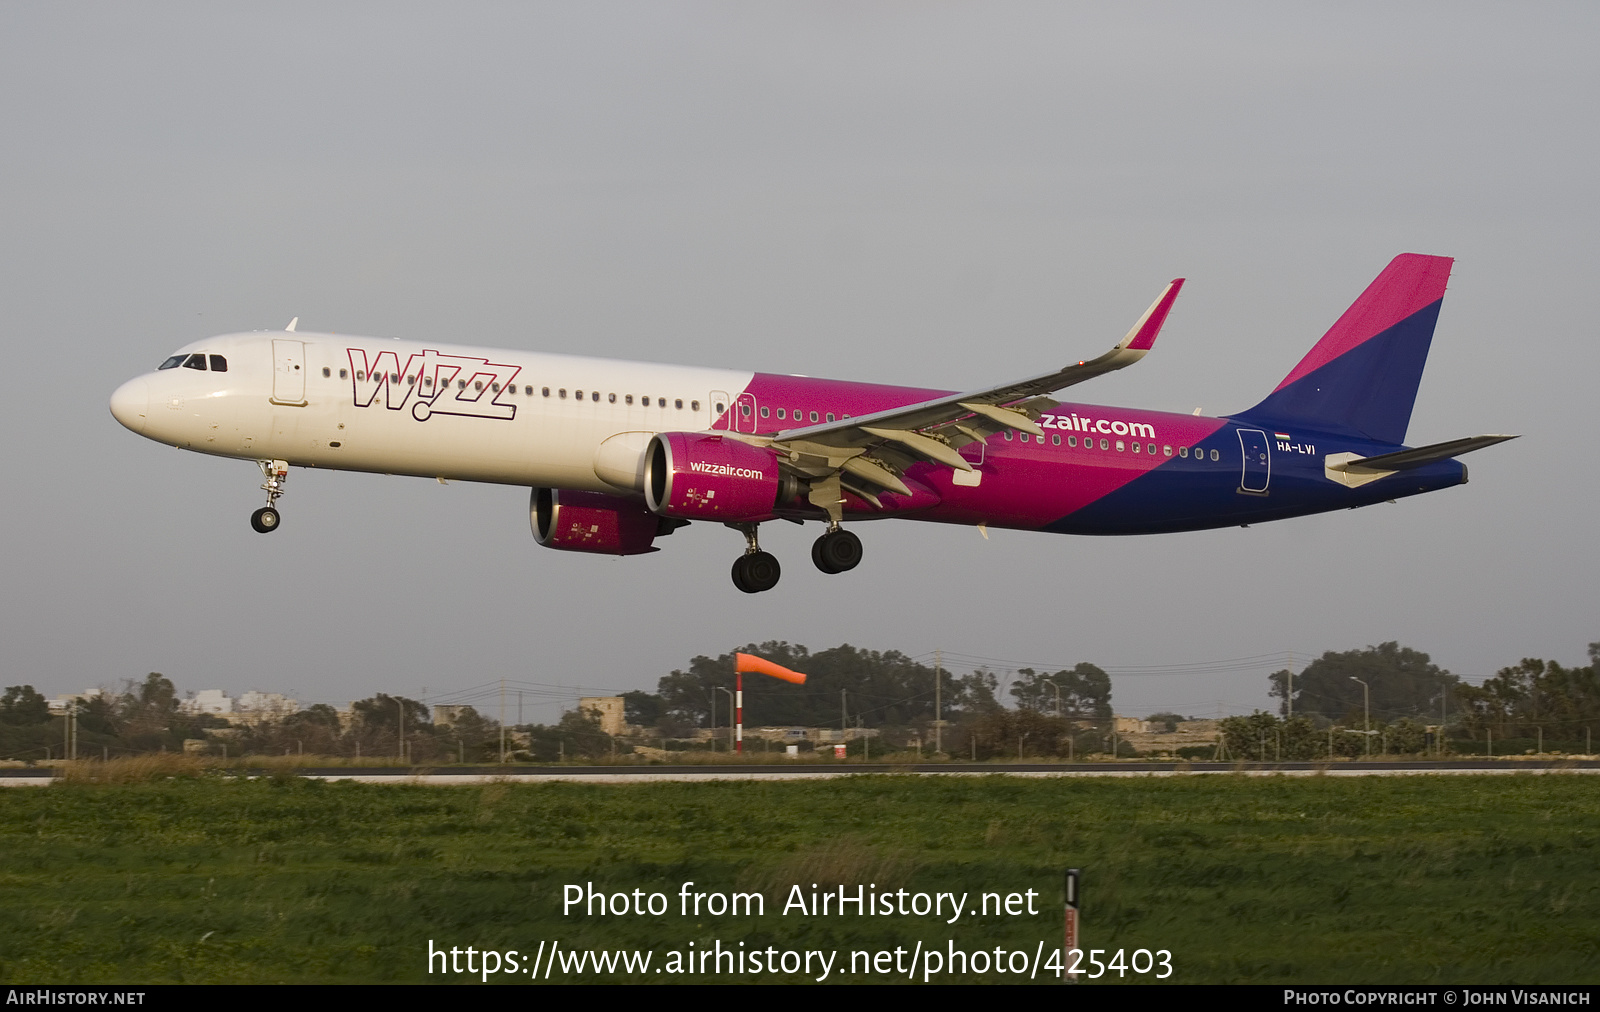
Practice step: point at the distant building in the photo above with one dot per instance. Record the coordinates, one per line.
(450, 714)
(61, 704)
(249, 708)
(258, 706)
(1130, 725)
(608, 709)
(212, 701)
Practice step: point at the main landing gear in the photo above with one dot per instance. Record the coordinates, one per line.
(266, 519)
(755, 570)
(837, 551)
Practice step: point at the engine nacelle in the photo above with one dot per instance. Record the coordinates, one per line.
(711, 477)
(592, 522)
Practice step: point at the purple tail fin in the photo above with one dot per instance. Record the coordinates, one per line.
(1362, 377)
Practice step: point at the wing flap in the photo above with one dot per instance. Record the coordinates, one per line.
(934, 430)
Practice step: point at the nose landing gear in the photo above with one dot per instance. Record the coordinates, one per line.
(266, 519)
(837, 551)
(755, 570)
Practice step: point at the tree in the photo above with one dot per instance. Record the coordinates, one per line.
(1401, 683)
(974, 693)
(1263, 737)
(145, 713)
(383, 711)
(1534, 697)
(1168, 722)
(1004, 734)
(22, 706)
(1085, 692)
(642, 709)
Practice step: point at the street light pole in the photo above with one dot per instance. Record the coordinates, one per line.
(1366, 712)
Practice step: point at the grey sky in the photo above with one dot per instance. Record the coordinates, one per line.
(944, 195)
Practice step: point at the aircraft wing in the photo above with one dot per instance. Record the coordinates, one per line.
(870, 452)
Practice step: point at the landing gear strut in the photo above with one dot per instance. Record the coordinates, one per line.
(266, 519)
(755, 570)
(837, 551)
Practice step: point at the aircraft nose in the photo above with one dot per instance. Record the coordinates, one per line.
(130, 404)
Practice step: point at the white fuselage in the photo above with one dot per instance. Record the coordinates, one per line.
(425, 409)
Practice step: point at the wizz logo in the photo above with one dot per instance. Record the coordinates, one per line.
(434, 384)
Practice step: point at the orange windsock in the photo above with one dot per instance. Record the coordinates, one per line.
(751, 664)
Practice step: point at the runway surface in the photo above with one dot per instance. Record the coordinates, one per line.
(621, 774)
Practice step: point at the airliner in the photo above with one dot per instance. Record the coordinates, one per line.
(619, 454)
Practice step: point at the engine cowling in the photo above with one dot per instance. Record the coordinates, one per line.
(592, 522)
(698, 476)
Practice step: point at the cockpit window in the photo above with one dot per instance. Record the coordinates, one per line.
(172, 363)
(218, 363)
(195, 361)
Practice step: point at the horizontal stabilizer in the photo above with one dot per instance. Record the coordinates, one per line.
(1350, 469)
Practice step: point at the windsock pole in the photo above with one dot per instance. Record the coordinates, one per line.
(738, 710)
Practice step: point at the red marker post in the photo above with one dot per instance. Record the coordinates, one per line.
(756, 666)
(1069, 896)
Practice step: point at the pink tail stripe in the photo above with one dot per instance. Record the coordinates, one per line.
(1410, 283)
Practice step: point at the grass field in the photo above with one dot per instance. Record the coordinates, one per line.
(1459, 879)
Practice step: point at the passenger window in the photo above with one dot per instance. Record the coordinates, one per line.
(1183, 451)
(360, 375)
(1151, 448)
(721, 409)
(627, 398)
(326, 372)
(462, 385)
(411, 381)
(830, 416)
(813, 416)
(344, 374)
(1119, 445)
(678, 403)
(694, 405)
(1105, 444)
(765, 411)
(544, 391)
(1215, 455)
(1022, 436)
(611, 398)
(1055, 439)
(578, 394)
(1008, 435)
(1136, 448)
(171, 363)
(562, 393)
(744, 409)
(1072, 440)
(394, 377)
(780, 414)
(661, 402)
(527, 391)
(195, 361)
(220, 364)
(595, 396)
(1166, 451)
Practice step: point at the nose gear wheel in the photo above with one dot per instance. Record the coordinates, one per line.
(266, 519)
